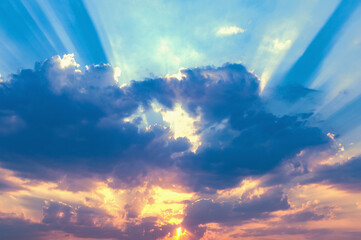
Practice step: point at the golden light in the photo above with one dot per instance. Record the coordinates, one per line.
(166, 204)
(116, 74)
(180, 234)
(181, 124)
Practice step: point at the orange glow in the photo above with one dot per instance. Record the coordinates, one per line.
(162, 198)
(247, 185)
(167, 203)
(180, 234)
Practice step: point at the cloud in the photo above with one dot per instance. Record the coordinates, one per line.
(304, 217)
(77, 127)
(291, 222)
(233, 213)
(87, 222)
(82, 222)
(8, 186)
(275, 45)
(345, 175)
(309, 211)
(14, 228)
(232, 30)
(72, 121)
(285, 232)
(239, 136)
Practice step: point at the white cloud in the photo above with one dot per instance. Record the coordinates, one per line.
(275, 45)
(67, 61)
(227, 31)
(279, 45)
(64, 72)
(117, 73)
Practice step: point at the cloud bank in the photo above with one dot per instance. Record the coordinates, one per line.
(60, 118)
(62, 123)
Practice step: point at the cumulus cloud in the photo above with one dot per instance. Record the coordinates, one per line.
(231, 30)
(71, 120)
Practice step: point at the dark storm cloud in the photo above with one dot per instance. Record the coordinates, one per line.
(59, 120)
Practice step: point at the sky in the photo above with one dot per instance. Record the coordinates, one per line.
(180, 120)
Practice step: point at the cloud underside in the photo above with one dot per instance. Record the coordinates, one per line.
(60, 120)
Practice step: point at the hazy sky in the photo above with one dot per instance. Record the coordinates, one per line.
(212, 120)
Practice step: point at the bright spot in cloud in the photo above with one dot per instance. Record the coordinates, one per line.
(167, 204)
(117, 73)
(180, 75)
(227, 31)
(67, 60)
(179, 233)
(181, 124)
(264, 79)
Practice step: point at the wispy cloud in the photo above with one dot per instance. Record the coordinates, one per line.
(232, 30)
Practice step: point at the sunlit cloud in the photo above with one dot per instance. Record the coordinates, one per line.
(232, 30)
(182, 124)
